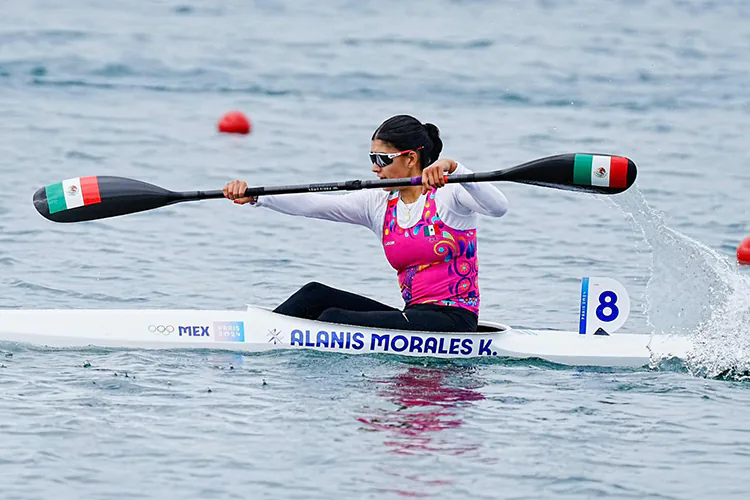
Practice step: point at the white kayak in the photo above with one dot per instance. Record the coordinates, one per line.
(258, 329)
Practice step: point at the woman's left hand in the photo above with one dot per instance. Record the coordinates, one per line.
(434, 175)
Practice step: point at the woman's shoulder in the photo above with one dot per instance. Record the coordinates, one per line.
(375, 196)
(363, 195)
(373, 201)
(447, 191)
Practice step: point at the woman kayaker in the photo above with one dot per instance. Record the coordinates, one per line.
(428, 234)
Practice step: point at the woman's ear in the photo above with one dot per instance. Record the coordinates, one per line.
(413, 160)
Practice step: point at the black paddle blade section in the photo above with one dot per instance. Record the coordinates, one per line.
(113, 196)
(588, 172)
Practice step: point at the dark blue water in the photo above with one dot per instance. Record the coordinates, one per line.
(135, 89)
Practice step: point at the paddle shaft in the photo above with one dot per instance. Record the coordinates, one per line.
(330, 186)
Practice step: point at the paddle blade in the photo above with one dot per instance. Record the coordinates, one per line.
(90, 198)
(592, 173)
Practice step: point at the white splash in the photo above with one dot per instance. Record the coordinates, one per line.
(693, 291)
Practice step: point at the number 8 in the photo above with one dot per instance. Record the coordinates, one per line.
(607, 304)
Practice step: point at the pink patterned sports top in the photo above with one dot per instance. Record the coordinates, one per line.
(436, 264)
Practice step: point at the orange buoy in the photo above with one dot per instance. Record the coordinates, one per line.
(743, 252)
(234, 122)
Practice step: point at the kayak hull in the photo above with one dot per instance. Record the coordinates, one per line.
(258, 329)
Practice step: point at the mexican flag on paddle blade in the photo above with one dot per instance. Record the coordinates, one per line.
(73, 193)
(606, 171)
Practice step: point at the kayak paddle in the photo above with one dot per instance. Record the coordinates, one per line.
(98, 197)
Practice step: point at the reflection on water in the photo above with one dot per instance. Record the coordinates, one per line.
(428, 401)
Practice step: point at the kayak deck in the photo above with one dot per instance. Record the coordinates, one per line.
(258, 329)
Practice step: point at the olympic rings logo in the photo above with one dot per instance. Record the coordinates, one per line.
(161, 329)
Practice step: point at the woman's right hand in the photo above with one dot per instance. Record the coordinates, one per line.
(235, 190)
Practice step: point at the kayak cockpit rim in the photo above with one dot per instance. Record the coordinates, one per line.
(483, 327)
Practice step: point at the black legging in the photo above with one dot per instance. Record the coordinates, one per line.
(323, 303)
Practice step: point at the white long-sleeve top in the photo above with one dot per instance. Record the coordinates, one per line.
(457, 204)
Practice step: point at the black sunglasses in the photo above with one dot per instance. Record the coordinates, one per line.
(385, 159)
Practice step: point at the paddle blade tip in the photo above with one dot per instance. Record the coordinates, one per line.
(62, 201)
(98, 197)
(40, 202)
(603, 173)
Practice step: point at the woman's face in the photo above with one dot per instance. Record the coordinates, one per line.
(404, 165)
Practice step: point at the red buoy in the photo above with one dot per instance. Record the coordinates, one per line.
(234, 122)
(743, 252)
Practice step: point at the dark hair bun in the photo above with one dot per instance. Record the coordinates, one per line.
(437, 144)
(406, 132)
